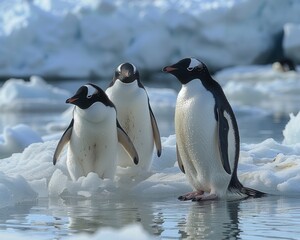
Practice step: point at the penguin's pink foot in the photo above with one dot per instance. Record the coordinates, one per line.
(205, 198)
(191, 196)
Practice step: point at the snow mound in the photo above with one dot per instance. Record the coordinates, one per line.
(87, 38)
(291, 131)
(14, 190)
(268, 166)
(16, 139)
(35, 95)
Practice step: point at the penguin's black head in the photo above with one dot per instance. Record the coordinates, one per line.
(188, 69)
(126, 73)
(87, 95)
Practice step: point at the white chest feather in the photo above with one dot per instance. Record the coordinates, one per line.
(93, 142)
(194, 116)
(132, 106)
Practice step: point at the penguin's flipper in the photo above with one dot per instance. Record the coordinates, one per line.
(179, 160)
(223, 129)
(65, 138)
(155, 131)
(127, 144)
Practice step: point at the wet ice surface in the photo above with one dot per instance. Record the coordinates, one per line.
(265, 218)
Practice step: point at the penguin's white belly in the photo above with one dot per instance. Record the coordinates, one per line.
(134, 116)
(93, 148)
(138, 127)
(197, 140)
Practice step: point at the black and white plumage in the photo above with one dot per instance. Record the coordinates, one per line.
(207, 135)
(135, 115)
(284, 65)
(93, 135)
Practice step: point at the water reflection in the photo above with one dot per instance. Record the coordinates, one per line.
(266, 218)
(92, 214)
(271, 217)
(14, 217)
(212, 220)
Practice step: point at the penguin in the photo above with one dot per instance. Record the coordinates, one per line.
(93, 135)
(135, 115)
(284, 65)
(207, 135)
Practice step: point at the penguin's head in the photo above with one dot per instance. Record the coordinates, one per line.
(188, 69)
(126, 73)
(87, 95)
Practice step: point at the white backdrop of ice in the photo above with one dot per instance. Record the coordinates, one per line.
(268, 166)
(35, 95)
(83, 38)
(14, 190)
(261, 87)
(291, 131)
(16, 139)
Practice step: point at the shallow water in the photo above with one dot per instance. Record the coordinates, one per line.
(252, 129)
(265, 218)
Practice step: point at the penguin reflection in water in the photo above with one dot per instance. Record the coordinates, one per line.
(93, 135)
(207, 136)
(135, 115)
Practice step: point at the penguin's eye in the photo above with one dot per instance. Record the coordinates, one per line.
(190, 69)
(89, 96)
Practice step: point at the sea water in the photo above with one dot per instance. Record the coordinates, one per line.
(271, 217)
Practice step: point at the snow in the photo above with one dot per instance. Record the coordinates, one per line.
(16, 139)
(87, 38)
(35, 95)
(291, 132)
(268, 166)
(14, 190)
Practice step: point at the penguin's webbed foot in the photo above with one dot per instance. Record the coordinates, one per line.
(191, 196)
(205, 198)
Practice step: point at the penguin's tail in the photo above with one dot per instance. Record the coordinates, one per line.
(252, 192)
(236, 186)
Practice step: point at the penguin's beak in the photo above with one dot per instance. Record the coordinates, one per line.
(72, 100)
(127, 73)
(169, 69)
(126, 76)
